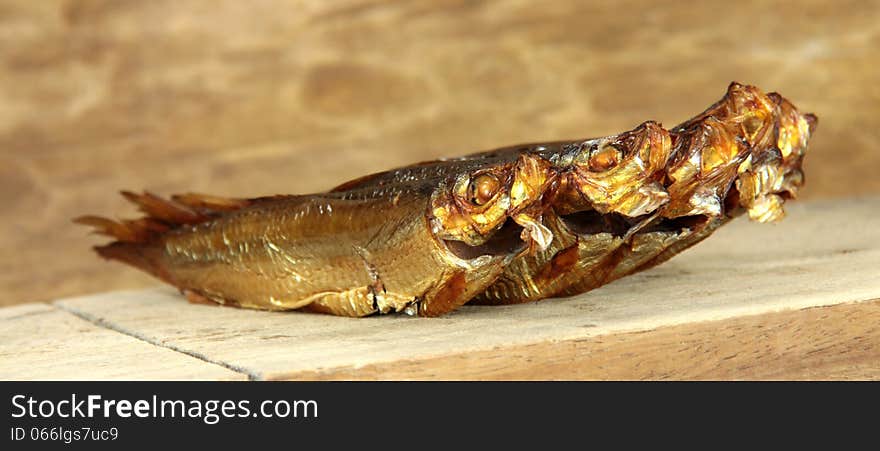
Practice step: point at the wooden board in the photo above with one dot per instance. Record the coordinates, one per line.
(839, 342)
(290, 96)
(42, 342)
(823, 254)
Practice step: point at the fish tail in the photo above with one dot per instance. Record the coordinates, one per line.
(147, 257)
(139, 242)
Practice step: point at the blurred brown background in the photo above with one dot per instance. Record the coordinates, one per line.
(247, 98)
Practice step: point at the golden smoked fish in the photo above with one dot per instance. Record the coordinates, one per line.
(424, 247)
(743, 154)
(510, 225)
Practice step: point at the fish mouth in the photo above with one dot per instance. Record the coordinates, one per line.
(675, 225)
(591, 222)
(506, 241)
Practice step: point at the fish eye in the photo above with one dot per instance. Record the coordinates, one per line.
(752, 125)
(605, 158)
(482, 189)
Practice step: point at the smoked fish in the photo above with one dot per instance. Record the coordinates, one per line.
(510, 225)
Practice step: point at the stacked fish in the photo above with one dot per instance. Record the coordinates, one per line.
(512, 225)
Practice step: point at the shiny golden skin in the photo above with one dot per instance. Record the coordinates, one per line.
(424, 247)
(621, 174)
(517, 191)
(350, 255)
(510, 225)
(742, 154)
(605, 189)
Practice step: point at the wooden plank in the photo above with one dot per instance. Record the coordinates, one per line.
(838, 342)
(39, 341)
(825, 253)
(287, 96)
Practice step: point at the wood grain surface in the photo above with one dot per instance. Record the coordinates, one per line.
(837, 342)
(270, 96)
(650, 325)
(42, 342)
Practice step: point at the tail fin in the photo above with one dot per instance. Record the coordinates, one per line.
(167, 211)
(138, 241)
(141, 230)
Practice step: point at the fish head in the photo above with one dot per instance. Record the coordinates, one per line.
(775, 173)
(620, 174)
(474, 205)
(750, 111)
(748, 140)
(707, 158)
